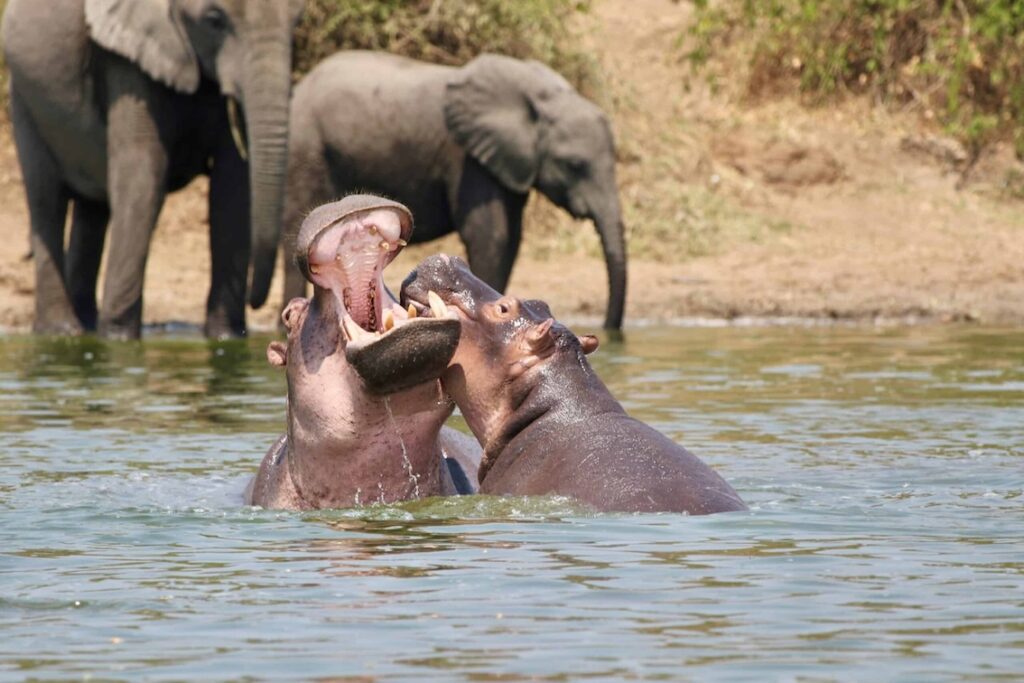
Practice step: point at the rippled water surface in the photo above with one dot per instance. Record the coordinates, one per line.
(884, 469)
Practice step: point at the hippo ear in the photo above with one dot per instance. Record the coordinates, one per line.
(290, 314)
(589, 343)
(148, 33)
(277, 354)
(491, 109)
(538, 342)
(539, 339)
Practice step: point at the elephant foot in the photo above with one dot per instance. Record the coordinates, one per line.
(57, 326)
(88, 314)
(119, 331)
(217, 327)
(125, 323)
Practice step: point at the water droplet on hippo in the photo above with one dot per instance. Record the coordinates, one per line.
(413, 477)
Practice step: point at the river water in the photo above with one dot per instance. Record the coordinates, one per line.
(884, 469)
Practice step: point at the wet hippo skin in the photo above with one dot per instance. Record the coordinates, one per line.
(546, 421)
(365, 406)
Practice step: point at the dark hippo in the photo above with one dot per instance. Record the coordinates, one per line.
(547, 423)
(365, 407)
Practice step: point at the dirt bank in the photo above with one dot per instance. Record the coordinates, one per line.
(734, 209)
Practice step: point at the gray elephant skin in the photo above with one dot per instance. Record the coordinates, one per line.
(461, 147)
(114, 104)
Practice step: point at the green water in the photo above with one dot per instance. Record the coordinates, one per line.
(884, 470)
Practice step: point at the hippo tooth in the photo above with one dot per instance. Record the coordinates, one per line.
(384, 246)
(372, 229)
(402, 243)
(412, 312)
(314, 268)
(389, 319)
(436, 305)
(347, 324)
(353, 331)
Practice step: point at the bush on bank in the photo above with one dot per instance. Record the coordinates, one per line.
(444, 31)
(958, 61)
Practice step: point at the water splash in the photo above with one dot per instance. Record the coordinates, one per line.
(413, 477)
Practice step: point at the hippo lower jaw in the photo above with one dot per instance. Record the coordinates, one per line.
(411, 349)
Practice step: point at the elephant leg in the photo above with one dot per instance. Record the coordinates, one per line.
(307, 187)
(136, 175)
(85, 251)
(294, 281)
(48, 207)
(230, 246)
(489, 219)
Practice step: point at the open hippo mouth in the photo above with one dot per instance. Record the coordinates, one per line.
(391, 347)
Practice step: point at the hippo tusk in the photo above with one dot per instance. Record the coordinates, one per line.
(437, 306)
(236, 129)
(356, 333)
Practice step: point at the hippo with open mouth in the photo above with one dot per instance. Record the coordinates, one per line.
(547, 424)
(365, 407)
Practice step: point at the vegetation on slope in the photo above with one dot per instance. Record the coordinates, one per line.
(445, 31)
(958, 61)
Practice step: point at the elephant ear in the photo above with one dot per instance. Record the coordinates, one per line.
(493, 108)
(146, 32)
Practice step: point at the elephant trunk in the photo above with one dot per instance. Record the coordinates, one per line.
(613, 243)
(266, 93)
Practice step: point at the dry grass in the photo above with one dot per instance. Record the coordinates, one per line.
(448, 32)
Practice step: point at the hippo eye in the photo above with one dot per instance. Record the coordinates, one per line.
(504, 308)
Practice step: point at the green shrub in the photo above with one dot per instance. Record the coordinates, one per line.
(960, 61)
(445, 31)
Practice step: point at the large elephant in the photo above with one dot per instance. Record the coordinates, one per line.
(115, 103)
(461, 147)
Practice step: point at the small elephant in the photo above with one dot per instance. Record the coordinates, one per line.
(462, 147)
(114, 104)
